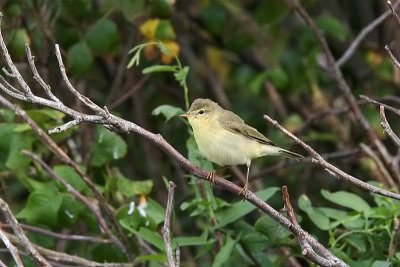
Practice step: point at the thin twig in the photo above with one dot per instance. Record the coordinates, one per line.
(336, 172)
(395, 110)
(394, 59)
(11, 248)
(167, 226)
(80, 197)
(363, 33)
(386, 127)
(392, 9)
(385, 178)
(38, 259)
(61, 236)
(395, 240)
(59, 257)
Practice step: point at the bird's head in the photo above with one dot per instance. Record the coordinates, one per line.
(201, 111)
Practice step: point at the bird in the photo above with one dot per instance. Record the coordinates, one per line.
(225, 139)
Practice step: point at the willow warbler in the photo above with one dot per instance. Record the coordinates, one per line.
(225, 139)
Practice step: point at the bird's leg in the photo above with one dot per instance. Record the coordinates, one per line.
(245, 189)
(211, 175)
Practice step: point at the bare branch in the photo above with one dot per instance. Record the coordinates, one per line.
(60, 257)
(385, 178)
(23, 240)
(392, 9)
(364, 32)
(394, 59)
(395, 239)
(336, 172)
(395, 110)
(11, 248)
(36, 75)
(71, 88)
(61, 236)
(81, 198)
(167, 225)
(386, 127)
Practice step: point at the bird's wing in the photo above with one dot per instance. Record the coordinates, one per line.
(233, 123)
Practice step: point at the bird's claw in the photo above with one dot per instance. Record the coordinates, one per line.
(211, 178)
(245, 192)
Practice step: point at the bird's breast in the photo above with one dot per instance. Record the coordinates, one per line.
(224, 147)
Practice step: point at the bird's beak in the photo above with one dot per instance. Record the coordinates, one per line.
(186, 115)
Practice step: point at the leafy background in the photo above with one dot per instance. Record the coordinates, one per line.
(253, 57)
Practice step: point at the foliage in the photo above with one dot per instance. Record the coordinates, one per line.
(254, 57)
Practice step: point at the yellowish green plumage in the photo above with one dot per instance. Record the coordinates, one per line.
(225, 139)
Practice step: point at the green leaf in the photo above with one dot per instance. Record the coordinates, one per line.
(19, 142)
(80, 59)
(45, 114)
(130, 188)
(167, 111)
(69, 210)
(159, 68)
(16, 40)
(357, 241)
(315, 215)
(132, 8)
(42, 208)
(165, 30)
(151, 237)
(181, 75)
(109, 146)
(155, 211)
(7, 115)
(192, 240)
(270, 228)
(153, 257)
(241, 208)
(348, 200)
(6, 135)
(225, 252)
(381, 264)
(71, 177)
(332, 27)
(103, 37)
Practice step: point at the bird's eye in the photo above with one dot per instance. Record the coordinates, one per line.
(201, 111)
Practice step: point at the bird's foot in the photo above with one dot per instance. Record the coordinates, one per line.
(211, 177)
(244, 192)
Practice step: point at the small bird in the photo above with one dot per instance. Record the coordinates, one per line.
(225, 139)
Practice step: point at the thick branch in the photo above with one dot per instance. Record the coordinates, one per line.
(11, 248)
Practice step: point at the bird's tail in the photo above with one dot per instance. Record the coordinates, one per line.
(289, 154)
